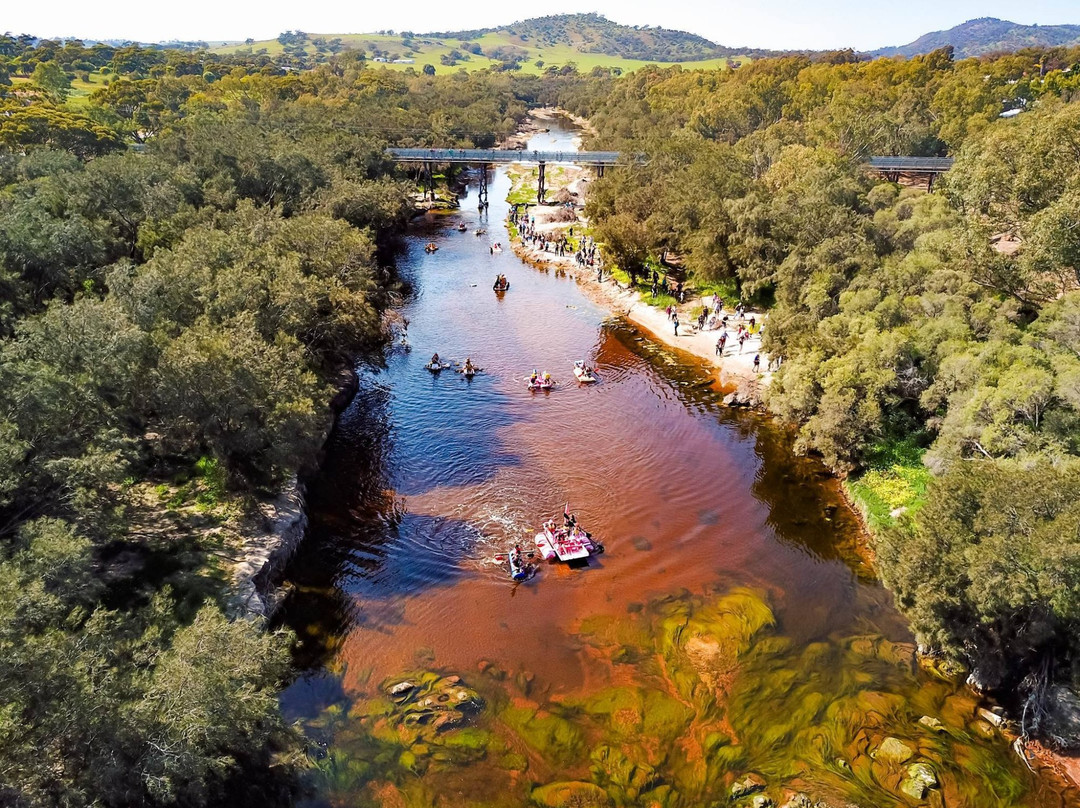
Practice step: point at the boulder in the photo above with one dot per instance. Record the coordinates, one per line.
(571, 793)
(920, 779)
(993, 716)
(893, 750)
(798, 800)
(761, 801)
(932, 723)
(268, 547)
(749, 784)
(985, 679)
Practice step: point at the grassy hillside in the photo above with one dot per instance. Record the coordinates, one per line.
(474, 50)
(989, 35)
(593, 33)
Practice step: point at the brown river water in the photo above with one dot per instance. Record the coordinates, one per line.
(730, 628)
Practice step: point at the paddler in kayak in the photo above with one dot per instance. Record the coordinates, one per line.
(534, 379)
(434, 360)
(469, 368)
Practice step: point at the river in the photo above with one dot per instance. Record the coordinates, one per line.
(730, 628)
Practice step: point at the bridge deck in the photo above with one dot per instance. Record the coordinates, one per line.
(507, 156)
(920, 165)
(916, 165)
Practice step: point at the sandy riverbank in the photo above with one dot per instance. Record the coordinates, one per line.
(735, 367)
(539, 120)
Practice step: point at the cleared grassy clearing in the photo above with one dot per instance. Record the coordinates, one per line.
(430, 51)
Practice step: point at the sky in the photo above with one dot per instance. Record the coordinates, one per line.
(780, 24)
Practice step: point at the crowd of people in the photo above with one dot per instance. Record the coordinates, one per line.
(585, 252)
(738, 328)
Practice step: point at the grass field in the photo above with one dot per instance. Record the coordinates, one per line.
(429, 51)
(896, 479)
(80, 90)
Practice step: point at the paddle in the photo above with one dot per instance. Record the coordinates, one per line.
(500, 557)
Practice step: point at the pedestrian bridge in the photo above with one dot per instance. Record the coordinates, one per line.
(488, 156)
(914, 165)
(910, 165)
(890, 167)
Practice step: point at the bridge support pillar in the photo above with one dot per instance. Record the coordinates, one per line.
(541, 191)
(600, 171)
(482, 194)
(429, 181)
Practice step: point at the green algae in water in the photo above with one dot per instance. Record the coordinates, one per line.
(711, 695)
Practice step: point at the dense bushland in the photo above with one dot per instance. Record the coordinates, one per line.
(178, 312)
(945, 322)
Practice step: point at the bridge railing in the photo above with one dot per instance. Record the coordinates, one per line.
(596, 158)
(918, 165)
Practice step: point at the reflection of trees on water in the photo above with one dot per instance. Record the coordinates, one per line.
(363, 551)
(805, 508)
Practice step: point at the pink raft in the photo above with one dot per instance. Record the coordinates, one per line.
(557, 543)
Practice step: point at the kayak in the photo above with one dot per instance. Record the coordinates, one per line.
(461, 228)
(582, 373)
(518, 570)
(501, 287)
(541, 385)
(436, 367)
(432, 247)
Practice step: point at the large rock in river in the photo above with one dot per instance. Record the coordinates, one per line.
(920, 779)
(893, 750)
(570, 794)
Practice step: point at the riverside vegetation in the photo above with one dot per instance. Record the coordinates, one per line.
(175, 317)
(930, 343)
(173, 320)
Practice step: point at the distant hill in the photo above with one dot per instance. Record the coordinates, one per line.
(594, 33)
(530, 46)
(988, 35)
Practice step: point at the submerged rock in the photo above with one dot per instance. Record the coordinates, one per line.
(942, 667)
(750, 784)
(798, 800)
(921, 777)
(425, 704)
(570, 794)
(893, 750)
(932, 723)
(624, 778)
